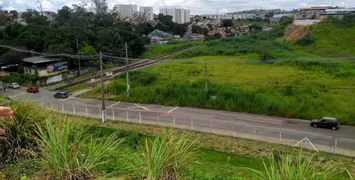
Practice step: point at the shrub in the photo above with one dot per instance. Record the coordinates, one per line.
(20, 137)
(163, 157)
(69, 152)
(287, 166)
(306, 40)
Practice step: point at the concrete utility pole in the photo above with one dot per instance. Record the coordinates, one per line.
(103, 111)
(127, 74)
(77, 49)
(206, 78)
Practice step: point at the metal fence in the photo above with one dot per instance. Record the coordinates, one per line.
(330, 144)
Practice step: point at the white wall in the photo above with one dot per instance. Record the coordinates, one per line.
(54, 79)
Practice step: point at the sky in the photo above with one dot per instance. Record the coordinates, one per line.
(196, 6)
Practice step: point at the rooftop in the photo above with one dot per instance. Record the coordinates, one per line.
(38, 59)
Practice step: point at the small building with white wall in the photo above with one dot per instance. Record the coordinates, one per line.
(49, 69)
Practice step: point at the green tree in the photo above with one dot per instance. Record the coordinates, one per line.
(33, 17)
(227, 23)
(64, 15)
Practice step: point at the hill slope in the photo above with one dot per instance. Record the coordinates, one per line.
(332, 38)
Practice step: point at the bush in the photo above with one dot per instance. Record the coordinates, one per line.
(163, 157)
(69, 152)
(20, 137)
(306, 40)
(286, 166)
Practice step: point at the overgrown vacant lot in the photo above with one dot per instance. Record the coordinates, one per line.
(295, 88)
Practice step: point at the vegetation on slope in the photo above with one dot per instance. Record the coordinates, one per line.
(331, 37)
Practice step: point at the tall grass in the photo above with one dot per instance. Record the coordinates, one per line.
(20, 137)
(288, 166)
(163, 157)
(70, 153)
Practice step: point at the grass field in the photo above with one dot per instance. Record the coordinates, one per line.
(298, 89)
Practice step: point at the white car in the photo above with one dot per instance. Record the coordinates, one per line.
(14, 85)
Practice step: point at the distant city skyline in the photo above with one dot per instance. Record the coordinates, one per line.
(195, 6)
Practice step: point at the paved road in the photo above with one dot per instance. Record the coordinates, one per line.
(267, 126)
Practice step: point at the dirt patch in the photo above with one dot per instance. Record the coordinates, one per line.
(294, 32)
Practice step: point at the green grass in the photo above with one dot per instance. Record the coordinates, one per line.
(156, 50)
(259, 46)
(294, 88)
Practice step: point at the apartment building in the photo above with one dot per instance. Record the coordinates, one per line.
(125, 11)
(180, 16)
(147, 12)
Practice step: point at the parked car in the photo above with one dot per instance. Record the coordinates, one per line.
(33, 89)
(326, 122)
(14, 85)
(61, 94)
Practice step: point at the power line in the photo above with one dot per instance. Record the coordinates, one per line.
(52, 55)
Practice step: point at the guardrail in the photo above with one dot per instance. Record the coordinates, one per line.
(330, 144)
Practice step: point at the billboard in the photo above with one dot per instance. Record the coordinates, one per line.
(57, 67)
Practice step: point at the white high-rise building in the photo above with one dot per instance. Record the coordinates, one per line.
(180, 16)
(187, 16)
(125, 11)
(147, 12)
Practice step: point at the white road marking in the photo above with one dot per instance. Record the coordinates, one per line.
(115, 104)
(173, 109)
(141, 107)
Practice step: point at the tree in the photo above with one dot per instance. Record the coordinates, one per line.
(144, 28)
(33, 17)
(30, 41)
(100, 6)
(4, 20)
(14, 13)
(227, 23)
(64, 15)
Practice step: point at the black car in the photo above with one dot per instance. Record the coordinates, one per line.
(62, 94)
(326, 122)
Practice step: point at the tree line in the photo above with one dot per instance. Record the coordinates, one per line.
(94, 31)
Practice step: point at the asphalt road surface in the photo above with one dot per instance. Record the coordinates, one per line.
(267, 126)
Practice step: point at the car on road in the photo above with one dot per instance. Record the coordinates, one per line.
(14, 85)
(33, 89)
(61, 94)
(326, 122)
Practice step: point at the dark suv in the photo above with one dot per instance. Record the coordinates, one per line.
(326, 122)
(62, 94)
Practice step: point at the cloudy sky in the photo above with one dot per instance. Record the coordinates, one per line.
(196, 6)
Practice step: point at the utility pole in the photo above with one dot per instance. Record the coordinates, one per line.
(127, 74)
(206, 78)
(77, 49)
(103, 111)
